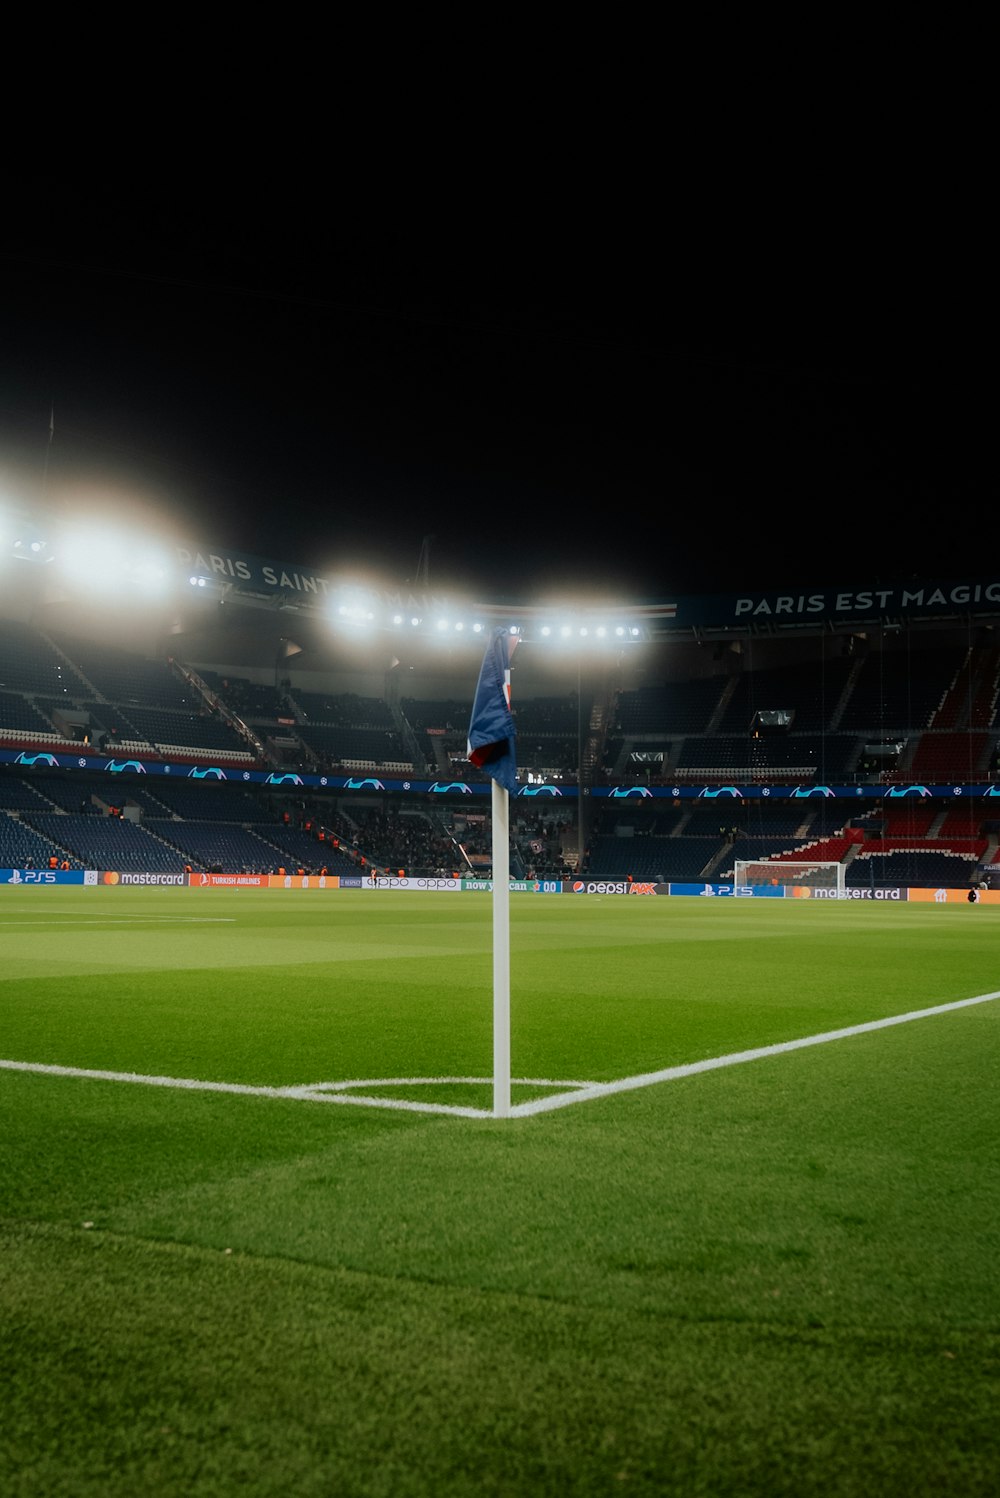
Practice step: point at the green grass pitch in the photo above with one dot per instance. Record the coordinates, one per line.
(773, 1278)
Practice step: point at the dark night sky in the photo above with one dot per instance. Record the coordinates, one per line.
(648, 425)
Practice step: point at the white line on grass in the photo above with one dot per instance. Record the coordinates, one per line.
(123, 920)
(192, 1084)
(582, 1092)
(737, 1058)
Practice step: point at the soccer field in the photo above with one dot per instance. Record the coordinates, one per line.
(261, 1234)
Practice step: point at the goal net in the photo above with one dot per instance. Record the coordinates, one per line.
(752, 873)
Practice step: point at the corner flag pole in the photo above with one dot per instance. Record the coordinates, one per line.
(501, 952)
(492, 747)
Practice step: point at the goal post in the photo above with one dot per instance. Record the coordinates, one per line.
(749, 874)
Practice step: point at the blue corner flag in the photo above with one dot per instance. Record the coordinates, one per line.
(491, 731)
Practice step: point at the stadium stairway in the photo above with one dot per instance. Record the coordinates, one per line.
(409, 739)
(845, 696)
(190, 677)
(714, 865)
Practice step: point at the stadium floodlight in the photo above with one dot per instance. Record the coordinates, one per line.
(34, 550)
(150, 575)
(113, 564)
(750, 874)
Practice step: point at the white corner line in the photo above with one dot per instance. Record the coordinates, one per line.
(244, 1089)
(581, 1092)
(737, 1058)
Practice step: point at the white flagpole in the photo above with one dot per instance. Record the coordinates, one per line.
(501, 952)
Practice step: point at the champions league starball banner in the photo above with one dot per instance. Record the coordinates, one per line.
(40, 760)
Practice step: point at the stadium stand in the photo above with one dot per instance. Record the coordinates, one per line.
(22, 846)
(922, 868)
(175, 734)
(296, 848)
(803, 715)
(206, 801)
(811, 691)
(949, 755)
(679, 707)
(899, 690)
(31, 662)
(20, 718)
(123, 677)
(255, 702)
(104, 842)
(221, 846)
(17, 795)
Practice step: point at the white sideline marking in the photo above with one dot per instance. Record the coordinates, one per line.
(581, 1092)
(672, 1073)
(315, 1092)
(122, 920)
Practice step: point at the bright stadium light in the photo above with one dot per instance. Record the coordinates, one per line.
(151, 575)
(30, 548)
(355, 613)
(112, 564)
